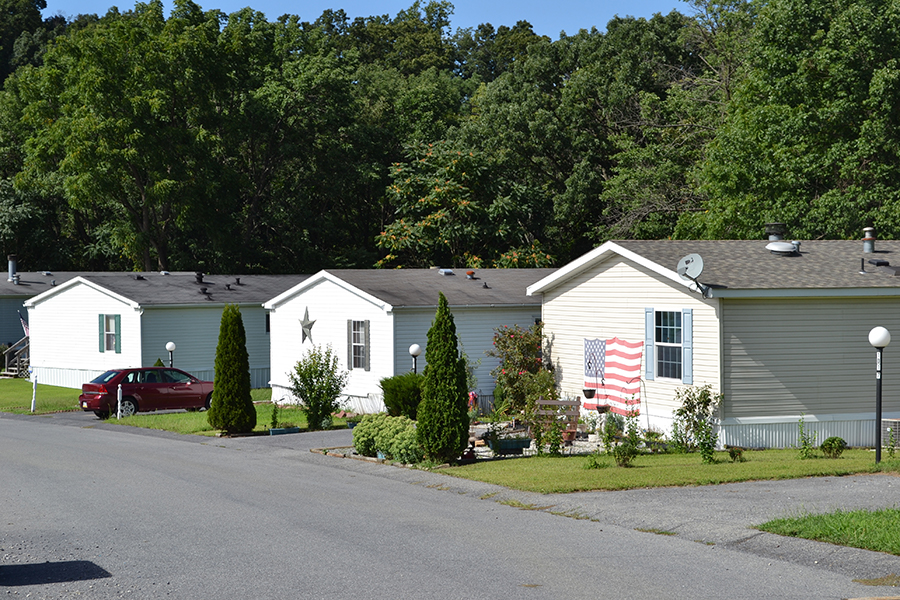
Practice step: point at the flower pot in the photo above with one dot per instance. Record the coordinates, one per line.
(589, 392)
(283, 430)
(509, 445)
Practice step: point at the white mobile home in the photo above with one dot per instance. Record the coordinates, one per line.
(781, 334)
(370, 318)
(97, 322)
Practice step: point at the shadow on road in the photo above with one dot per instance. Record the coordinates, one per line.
(50, 572)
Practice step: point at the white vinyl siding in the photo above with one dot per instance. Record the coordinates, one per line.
(64, 336)
(610, 300)
(330, 306)
(812, 356)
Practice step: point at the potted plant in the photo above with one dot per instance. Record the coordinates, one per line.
(500, 442)
(276, 428)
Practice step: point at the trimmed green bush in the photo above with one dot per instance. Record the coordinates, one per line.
(402, 394)
(317, 381)
(364, 434)
(395, 437)
(443, 420)
(833, 447)
(232, 408)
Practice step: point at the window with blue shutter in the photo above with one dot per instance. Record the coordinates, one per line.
(669, 344)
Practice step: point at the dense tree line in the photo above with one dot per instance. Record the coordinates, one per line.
(234, 143)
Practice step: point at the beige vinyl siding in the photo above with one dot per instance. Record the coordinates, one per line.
(608, 301)
(474, 328)
(330, 306)
(64, 336)
(787, 357)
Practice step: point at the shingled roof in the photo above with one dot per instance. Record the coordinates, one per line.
(31, 284)
(741, 267)
(420, 287)
(183, 288)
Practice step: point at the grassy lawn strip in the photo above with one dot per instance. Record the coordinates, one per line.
(565, 474)
(870, 530)
(15, 397)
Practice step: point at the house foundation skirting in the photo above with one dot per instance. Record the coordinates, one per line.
(784, 432)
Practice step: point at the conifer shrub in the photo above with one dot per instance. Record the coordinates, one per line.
(232, 409)
(402, 394)
(317, 381)
(443, 420)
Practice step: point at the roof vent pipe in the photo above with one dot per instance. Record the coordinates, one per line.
(237, 280)
(869, 240)
(199, 276)
(203, 290)
(12, 266)
(776, 231)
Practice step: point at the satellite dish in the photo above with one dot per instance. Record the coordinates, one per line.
(690, 267)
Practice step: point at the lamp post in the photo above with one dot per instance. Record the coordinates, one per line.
(415, 350)
(170, 346)
(879, 337)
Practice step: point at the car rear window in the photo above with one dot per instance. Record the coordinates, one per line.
(106, 377)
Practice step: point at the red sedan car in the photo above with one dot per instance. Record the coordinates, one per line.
(145, 389)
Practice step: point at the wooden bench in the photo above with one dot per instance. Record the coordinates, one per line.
(566, 412)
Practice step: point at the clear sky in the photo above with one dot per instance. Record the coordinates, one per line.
(548, 17)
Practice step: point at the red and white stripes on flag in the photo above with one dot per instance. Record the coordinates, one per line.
(613, 368)
(24, 325)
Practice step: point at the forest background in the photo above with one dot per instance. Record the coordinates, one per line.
(230, 143)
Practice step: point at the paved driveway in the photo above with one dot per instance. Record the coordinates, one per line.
(94, 510)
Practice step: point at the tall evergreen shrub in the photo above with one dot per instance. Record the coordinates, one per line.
(443, 423)
(232, 408)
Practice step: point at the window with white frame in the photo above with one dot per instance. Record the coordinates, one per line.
(358, 344)
(111, 333)
(668, 345)
(667, 334)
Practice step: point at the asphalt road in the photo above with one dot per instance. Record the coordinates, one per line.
(93, 510)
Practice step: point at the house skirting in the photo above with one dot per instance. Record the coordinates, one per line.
(784, 432)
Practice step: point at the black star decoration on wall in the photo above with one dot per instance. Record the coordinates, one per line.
(306, 325)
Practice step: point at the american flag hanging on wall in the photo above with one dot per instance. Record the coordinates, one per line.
(613, 368)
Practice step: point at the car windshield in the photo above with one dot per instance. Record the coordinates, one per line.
(105, 378)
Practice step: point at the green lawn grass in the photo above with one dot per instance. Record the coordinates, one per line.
(871, 530)
(546, 474)
(15, 397)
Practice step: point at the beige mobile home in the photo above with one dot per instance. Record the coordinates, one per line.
(781, 330)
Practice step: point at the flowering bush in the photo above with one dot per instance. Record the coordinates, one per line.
(521, 373)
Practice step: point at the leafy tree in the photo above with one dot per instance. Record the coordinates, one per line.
(810, 135)
(443, 423)
(232, 408)
(17, 17)
(487, 53)
(317, 381)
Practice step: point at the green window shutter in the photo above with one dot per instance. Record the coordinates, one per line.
(118, 319)
(102, 333)
(366, 335)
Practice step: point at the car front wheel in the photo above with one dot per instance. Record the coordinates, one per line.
(129, 407)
